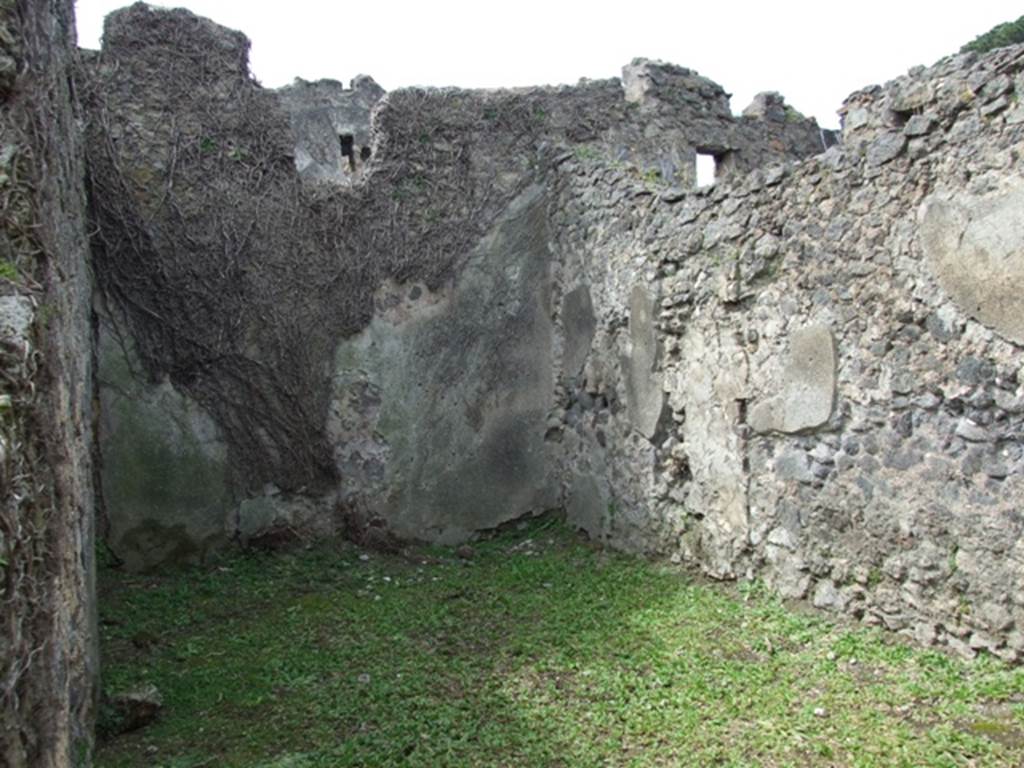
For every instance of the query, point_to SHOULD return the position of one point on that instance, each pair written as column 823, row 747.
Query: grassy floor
column 540, row 651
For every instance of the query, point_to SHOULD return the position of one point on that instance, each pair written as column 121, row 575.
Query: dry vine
column 24, row 599
column 234, row 279
column 44, row 698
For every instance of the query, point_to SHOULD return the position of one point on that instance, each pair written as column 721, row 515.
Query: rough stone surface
column 48, row 655
column 886, row 147
column 892, row 492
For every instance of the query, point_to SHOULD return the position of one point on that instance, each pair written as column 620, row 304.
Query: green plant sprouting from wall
column 1007, row 33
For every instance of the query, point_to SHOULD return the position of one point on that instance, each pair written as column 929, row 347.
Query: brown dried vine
column 45, row 628
column 235, row 280
column 24, row 515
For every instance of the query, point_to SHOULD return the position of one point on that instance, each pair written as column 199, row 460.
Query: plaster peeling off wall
column 710, row 391
column 972, row 245
column 165, row 468
column 807, row 387
column 458, row 391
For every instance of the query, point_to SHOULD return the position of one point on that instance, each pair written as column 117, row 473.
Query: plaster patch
column 808, row 385
column 975, row 249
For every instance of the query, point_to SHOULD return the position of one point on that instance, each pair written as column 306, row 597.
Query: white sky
column 814, row 53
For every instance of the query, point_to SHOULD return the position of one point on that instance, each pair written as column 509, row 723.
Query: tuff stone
column 968, row 430
column 885, row 148
column 919, row 125
column 972, row 370
column 995, row 106
column 16, row 315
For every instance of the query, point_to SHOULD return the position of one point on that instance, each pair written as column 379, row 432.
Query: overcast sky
column 814, row 53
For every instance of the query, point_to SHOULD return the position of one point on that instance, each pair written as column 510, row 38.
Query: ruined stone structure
column 426, row 313
column 836, row 356
column 433, row 311
column 371, row 338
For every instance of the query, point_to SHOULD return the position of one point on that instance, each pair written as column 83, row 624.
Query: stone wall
column 812, row 375
column 690, row 114
column 288, row 343
column 48, row 659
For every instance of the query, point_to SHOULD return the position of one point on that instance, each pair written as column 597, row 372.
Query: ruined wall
column 812, row 375
column 281, row 344
column 691, row 115
column 806, row 373
column 47, row 609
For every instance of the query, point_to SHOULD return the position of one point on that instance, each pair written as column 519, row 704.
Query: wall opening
column 900, row 117
column 713, row 164
column 348, row 147
column 707, row 168
column 364, row 154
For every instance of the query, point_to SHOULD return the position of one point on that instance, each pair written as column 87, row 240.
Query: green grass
column 541, row 651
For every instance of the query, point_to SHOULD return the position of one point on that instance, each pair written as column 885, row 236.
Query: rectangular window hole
column 714, row 164
column 348, row 149
column 706, row 169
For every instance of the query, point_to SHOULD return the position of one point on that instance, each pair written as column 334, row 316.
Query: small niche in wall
column 348, row 149
column 364, row 154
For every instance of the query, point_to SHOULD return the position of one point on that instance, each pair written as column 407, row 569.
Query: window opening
column 348, row 145
column 707, row 166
